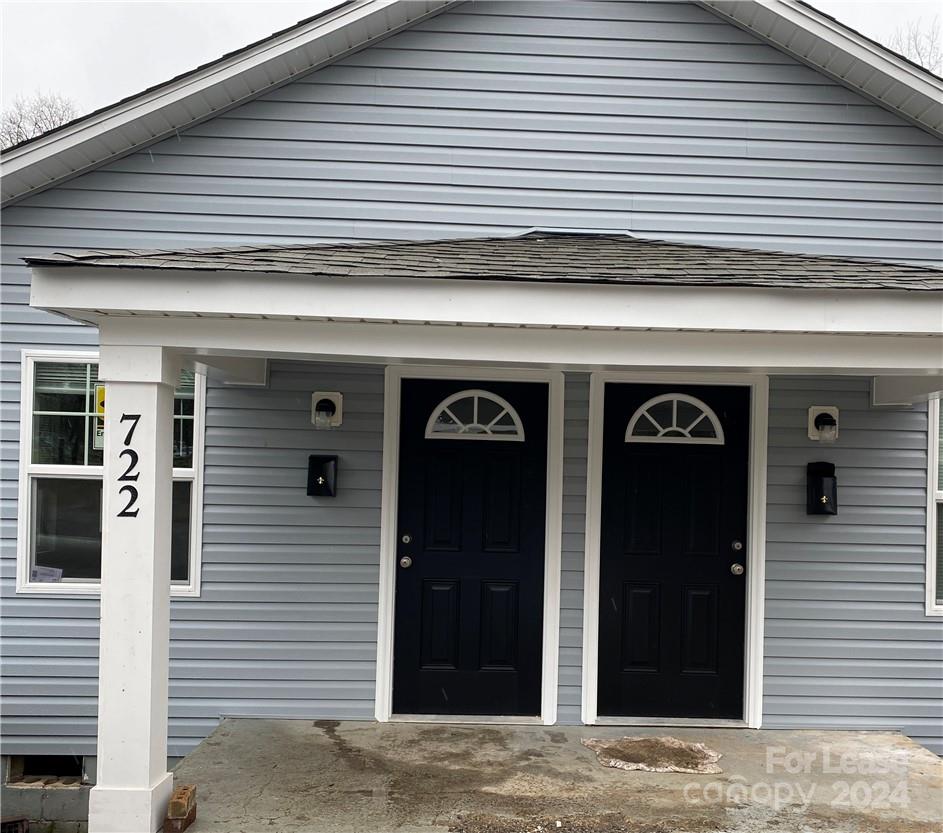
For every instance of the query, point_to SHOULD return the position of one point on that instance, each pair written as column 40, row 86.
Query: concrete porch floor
column 332, row 777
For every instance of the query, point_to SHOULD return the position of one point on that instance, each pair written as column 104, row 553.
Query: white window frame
column 29, row 470
column 934, row 503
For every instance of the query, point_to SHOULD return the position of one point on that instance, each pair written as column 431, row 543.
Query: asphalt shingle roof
column 538, row 256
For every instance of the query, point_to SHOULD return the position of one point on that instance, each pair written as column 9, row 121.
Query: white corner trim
column 756, row 521
column 934, row 504
column 550, row 671
column 28, row 470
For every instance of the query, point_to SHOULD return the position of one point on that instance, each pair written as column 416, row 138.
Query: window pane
column 180, row 536
column 66, row 534
column 187, row 384
column 939, row 484
column 939, row 553
column 73, row 403
column 60, row 386
column 59, row 440
column 183, row 443
column 96, row 456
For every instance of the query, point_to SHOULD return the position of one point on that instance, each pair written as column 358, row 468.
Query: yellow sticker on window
column 98, row 440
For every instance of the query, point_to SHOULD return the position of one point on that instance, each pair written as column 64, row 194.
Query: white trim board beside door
column 756, row 553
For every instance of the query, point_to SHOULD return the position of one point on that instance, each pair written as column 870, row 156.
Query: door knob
column 736, row 569
column 405, row 562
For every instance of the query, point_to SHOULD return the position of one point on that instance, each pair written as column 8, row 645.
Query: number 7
column 133, row 419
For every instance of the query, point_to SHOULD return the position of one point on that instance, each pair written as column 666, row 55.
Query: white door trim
column 756, row 520
column 389, row 510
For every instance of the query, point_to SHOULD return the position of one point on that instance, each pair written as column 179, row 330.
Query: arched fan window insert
column 675, row 418
column 474, row 415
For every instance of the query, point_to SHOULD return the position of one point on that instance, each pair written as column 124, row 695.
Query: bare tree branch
column 27, row 118
column 921, row 42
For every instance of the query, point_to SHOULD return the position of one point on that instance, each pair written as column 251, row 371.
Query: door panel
column 671, row 612
column 469, row 608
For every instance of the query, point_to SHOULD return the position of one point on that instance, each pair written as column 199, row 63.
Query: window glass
column 475, row 414
column 66, row 535
column 180, row 535
column 183, row 421
column 939, row 553
column 59, row 439
column 66, row 429
column 61, row 406
column 939, row 470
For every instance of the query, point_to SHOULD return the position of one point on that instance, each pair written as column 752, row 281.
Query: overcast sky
column 99, row 52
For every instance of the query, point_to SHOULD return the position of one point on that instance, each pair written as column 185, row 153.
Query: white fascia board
column 520, row 347
column 806, row 34
column 160, row 112
column 75, row 290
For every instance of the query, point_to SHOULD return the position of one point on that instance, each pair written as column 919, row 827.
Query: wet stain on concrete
column 342, row 777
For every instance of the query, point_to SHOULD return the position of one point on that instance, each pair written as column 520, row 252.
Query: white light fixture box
column 327, row 409
column 823, row 423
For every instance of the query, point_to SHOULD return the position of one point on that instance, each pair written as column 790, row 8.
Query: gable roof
column 538, row 256
column 88, row 142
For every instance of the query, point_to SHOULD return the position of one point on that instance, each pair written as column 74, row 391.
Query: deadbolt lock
column 736, row 546
column 407, row 539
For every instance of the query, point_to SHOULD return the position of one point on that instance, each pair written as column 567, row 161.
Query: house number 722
column 130, row 473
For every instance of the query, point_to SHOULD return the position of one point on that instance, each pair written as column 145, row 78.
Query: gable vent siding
column 848, row 642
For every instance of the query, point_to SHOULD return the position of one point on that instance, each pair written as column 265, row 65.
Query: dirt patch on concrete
column 662, row 754
column 580, row 823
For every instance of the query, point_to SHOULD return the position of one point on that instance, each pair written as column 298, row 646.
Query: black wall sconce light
column 322, row 475
column 821, row 489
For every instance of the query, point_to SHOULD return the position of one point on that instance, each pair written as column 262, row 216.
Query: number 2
column 132, row 463
column 128, row 512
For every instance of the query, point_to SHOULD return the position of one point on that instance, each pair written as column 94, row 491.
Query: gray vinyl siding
column 575, row 438
column 286, row 623
column 848, row 642
column 487, row 119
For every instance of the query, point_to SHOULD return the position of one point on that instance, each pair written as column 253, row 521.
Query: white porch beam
column 561, row 348
column 79, row 291
column 133, row 785
column 905, row 390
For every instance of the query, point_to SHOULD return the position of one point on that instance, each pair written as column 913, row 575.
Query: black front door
column 470, row 547
column 673, row 539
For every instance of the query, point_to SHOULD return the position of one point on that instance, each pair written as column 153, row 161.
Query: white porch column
column 134, row 786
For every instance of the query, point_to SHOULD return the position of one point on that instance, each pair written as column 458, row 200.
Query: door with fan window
column 673, row 551
column 470, row 547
